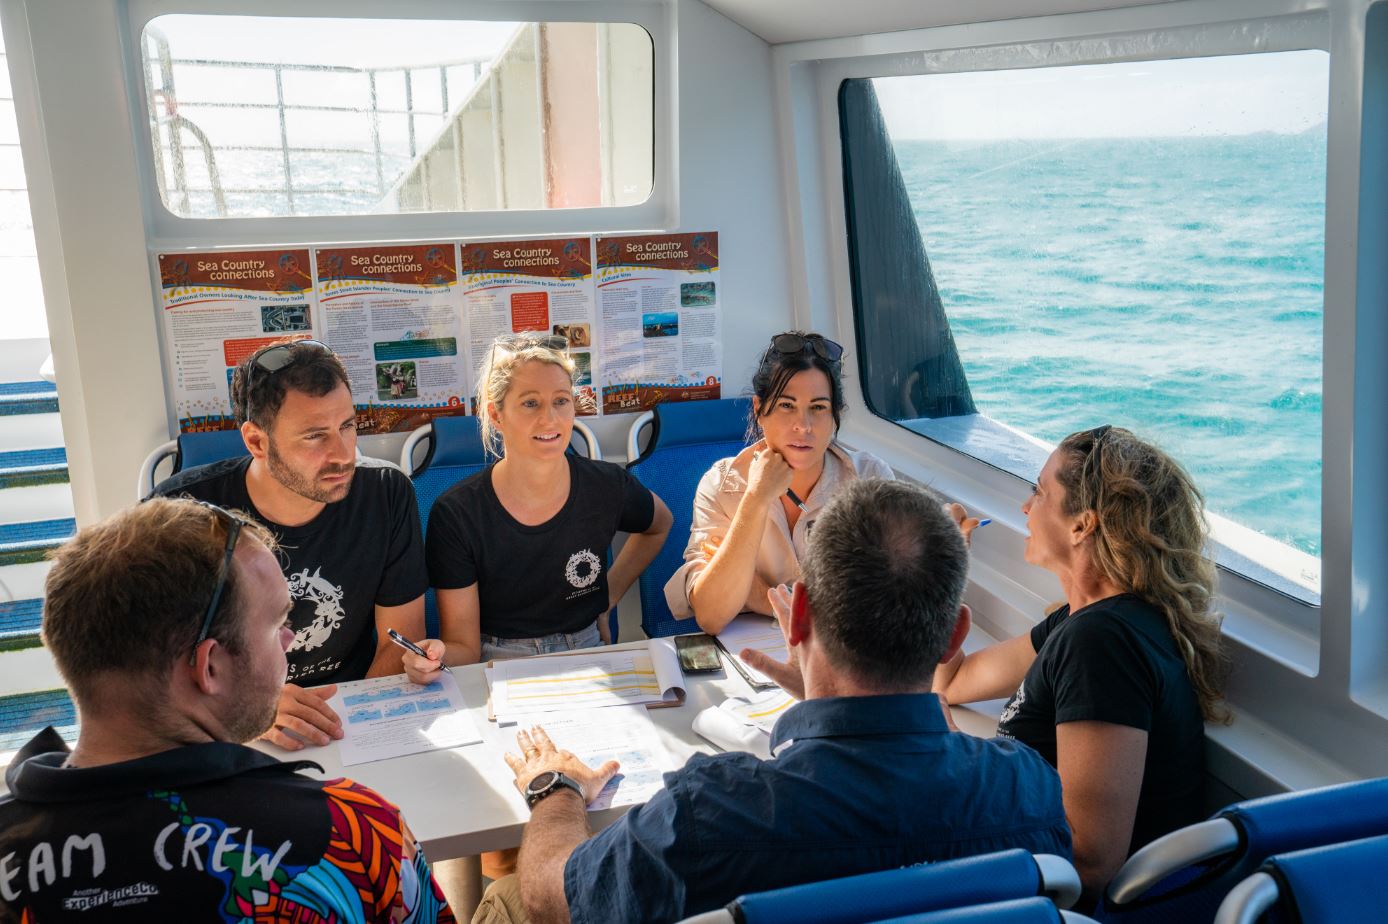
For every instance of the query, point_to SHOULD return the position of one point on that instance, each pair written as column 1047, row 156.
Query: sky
column 1283, row 92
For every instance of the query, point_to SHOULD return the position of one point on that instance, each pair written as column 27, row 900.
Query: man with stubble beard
column 347, row 528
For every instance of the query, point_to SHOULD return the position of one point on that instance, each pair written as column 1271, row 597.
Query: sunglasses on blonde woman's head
column 1094, row 461
column 524, row 339
column 794, row 344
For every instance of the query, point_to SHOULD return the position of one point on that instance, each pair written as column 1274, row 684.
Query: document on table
column 761, row 633
column 744, row 723
column 389, row 717
column 587, row 679
column 626, row 735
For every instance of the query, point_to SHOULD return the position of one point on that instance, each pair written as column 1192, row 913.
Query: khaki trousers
column 501, row 903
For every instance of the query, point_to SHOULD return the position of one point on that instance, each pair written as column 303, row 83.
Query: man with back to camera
column 867, row 775
column 348, row 529
column 169, row 623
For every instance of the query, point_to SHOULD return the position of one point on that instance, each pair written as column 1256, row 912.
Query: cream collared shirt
column 716, row 500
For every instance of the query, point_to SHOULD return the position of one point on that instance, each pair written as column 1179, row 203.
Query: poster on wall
column 220, row 307
column 391, row 313
column 658, row 313
column 544, row 286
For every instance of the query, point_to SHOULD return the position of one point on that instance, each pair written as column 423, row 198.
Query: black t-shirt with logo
column 1115, row 661
column 535, row 580
column 362, row 551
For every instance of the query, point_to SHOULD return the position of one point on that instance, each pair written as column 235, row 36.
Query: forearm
column 386, row 660
column 639, row 551
column 558, row 825
column 408, row 620
column 721, row 590
column 460, row 653
column 964, row 680
column 1097, row 864
column 989, row 673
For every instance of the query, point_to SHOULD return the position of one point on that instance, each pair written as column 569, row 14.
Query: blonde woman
column 1113, row 687
column 518, row 552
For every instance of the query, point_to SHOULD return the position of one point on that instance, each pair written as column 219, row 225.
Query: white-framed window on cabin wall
column 1130, row 243
column 256, row 117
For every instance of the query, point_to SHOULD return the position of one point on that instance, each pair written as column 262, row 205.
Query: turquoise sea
column 1169, row 285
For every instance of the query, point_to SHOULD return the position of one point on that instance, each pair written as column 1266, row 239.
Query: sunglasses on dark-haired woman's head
column 793, row 344
column 272, row 359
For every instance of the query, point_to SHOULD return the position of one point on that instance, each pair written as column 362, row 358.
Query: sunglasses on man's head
column 794, row 344
column 272, row 359
column 234, row 525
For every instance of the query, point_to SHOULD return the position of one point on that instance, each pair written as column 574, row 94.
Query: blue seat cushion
column 196, row 449
column 1339, row 882
column 687, row 439
column 872, row 896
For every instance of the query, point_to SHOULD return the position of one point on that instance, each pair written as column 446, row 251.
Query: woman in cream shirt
column 753, row 512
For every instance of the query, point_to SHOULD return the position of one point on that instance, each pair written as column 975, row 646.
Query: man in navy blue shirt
column 867, row 773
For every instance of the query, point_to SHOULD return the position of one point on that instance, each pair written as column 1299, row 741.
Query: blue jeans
column 501, row 649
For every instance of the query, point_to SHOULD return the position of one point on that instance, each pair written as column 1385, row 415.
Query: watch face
column 541, row 782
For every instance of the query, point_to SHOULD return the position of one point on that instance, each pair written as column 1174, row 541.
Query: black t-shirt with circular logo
column 535, row 580
column 1115, row 661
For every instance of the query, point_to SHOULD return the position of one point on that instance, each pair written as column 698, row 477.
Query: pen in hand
column 408, row 645
column 795, row 499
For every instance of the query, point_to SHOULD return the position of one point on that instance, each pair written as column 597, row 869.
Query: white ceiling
column 779, row 21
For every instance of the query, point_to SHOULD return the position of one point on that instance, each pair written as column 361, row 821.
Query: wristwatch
column 546, row 784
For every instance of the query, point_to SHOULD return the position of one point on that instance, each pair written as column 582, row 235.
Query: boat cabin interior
column 1020, row 218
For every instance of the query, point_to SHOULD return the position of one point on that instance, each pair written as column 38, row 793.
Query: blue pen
column 984, row 522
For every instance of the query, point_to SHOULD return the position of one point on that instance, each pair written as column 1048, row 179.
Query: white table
column 463, row 801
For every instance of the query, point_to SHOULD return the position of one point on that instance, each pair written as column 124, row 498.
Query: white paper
column 659, row 316
column 592, row 678
column 386, row 717
column 534, row 285
column 744, row 723
column 219, row 308
column 626, row 735
column 760, row 633
column 391, row 312
column 760, row 710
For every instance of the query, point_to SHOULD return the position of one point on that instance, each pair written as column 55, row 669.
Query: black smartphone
column 698, row 653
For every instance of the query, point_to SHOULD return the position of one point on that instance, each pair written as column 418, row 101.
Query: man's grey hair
column 885, row 574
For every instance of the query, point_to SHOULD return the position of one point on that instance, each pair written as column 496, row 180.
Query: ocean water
column 1169, row 285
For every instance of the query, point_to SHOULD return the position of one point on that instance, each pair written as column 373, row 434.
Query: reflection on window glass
column 1139, row 244
column 262, row 116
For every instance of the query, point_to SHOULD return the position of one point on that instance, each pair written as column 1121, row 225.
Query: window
column 23, row 312
column 267, row 116
column 1040, row 251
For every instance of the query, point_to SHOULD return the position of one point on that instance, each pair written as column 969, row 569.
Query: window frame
column 1292, row 661
column 660, row 210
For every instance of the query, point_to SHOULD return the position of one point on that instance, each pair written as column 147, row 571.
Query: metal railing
column 168, row 126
